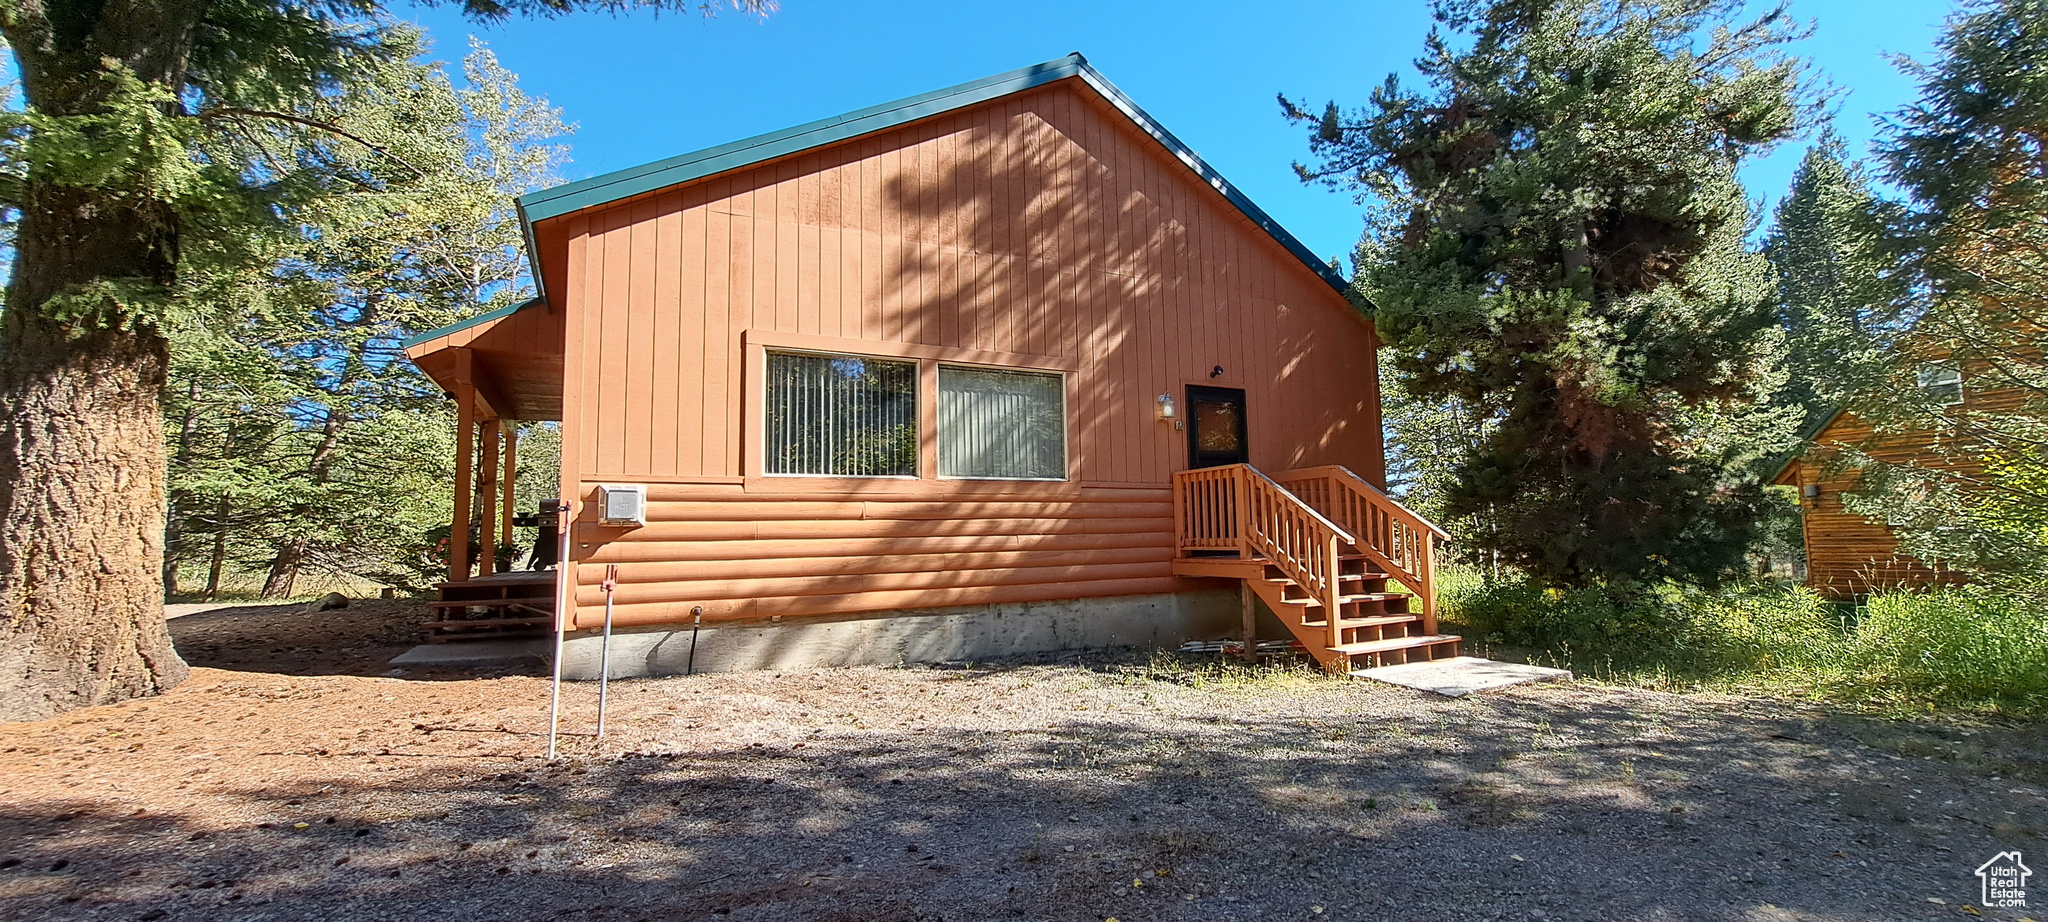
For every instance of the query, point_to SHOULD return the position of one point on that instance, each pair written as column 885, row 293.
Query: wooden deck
column 517, row 603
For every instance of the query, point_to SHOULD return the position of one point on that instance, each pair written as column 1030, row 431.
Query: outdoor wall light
column 1810, row 491
column 1166, row 406
column 1216, row 372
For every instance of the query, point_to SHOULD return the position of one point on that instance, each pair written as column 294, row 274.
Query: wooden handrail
column 1237, row 508
column 1393, row 536
column 1356, row 482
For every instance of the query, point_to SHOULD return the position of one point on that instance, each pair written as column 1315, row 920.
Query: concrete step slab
column 1459, row 676
column 476, row 653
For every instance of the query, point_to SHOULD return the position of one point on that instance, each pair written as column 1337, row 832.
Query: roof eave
column 483, row 318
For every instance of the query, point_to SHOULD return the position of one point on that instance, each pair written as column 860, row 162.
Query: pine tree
column 438, row 238
column 1559, row 248
column 128, row 162
column 1972, row 239
column 1842, row 308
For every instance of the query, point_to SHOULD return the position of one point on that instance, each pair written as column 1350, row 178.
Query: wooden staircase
column 1321, row 547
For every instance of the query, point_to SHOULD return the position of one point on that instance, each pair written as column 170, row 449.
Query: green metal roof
column 485, row 317
column 612, row 187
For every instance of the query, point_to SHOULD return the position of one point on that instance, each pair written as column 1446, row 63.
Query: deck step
column 1395, row 643
column 1373, row 621
column 1358, row 597
column 463, row 624
column 1347, row 578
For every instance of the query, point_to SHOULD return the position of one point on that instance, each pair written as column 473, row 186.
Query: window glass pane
column 1217, row 426
column 1001, row 424
column 1943, row 384
column 841, row 415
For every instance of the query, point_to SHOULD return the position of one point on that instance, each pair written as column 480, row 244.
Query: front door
column 1216, row 427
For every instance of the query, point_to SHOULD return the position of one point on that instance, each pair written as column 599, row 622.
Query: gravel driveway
column 1104, row 788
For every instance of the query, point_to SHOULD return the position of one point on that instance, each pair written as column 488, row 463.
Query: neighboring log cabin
column 1849, row 555
column 1007, row 354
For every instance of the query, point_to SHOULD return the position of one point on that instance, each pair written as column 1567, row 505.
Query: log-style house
column 1849, row 555
column 998, row 368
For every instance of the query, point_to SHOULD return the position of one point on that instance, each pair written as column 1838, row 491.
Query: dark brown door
column 1216, row 427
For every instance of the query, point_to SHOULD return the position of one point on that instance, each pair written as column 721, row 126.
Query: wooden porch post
column 511, row 473
column 465, row 476
column 1250, row 607
column 487, row 493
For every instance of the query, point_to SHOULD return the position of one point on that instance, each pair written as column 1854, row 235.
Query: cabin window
column 1943, row 384
column 994, row 424
column 841, row 415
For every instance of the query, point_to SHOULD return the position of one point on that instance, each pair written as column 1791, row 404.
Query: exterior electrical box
column 621, row 504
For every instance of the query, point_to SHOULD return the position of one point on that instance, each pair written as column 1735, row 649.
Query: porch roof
column 511, row 357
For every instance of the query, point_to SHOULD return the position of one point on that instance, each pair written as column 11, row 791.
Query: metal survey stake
column 604, row 653
column 561, row 631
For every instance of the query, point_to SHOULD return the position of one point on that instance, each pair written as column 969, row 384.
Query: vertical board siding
column 1042, row 223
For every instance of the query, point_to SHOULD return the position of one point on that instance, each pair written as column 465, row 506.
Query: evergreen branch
column 239, row 112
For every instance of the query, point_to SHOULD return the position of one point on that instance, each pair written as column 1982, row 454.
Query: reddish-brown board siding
column 518, row 357
column 1848, row 554
column 1041, row 224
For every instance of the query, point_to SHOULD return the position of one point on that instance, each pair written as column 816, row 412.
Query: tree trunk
column 81, row 515
column 285, row 565
column 173, row 530
column 284, row 570
column 220, row 549
column 81, row 383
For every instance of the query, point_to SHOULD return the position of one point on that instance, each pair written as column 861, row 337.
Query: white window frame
column 1932, row 375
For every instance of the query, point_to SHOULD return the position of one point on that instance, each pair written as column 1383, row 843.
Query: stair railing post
column 1180, row 527
column 1333, row 582
column 1241, row 486
column 1427, row 572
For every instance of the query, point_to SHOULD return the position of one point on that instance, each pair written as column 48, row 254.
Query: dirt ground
column 292, row 778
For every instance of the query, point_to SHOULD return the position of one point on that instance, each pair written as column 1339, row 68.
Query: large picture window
column 841, row 415
column 1001, row 424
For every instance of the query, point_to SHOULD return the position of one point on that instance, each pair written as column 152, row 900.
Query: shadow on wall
column 1068, row 222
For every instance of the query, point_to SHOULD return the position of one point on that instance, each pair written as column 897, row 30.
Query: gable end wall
column 1041, row 226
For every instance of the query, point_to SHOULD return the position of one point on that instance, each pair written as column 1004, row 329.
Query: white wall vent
column 621, row 504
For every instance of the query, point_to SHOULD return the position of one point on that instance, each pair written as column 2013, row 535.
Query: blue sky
column 642, row 87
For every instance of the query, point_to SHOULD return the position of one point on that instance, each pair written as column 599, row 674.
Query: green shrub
column 1970, row 647
column 1973, row 648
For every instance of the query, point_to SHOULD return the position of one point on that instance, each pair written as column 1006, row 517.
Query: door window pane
column 841, row 415
column 1218, row 426
column 1001, row 424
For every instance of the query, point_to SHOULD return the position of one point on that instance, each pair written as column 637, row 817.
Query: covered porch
column 501, row 368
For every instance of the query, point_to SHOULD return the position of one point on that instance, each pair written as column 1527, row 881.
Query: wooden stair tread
column 1395, row 643
column 1348, row 578
column 1359, row 597
column 483, row 622
column 493, row 603
column 1372, row 621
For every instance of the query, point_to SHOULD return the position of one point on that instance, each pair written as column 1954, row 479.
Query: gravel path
column 1077, row 790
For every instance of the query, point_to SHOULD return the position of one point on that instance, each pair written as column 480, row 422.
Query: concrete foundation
column 967, row 632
